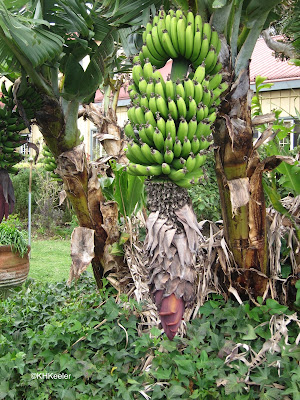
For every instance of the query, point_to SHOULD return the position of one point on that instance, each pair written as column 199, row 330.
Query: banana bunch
column 176, row 35
column 170, row 123
column 31, row 101
column 50, row 163
column 10, row 127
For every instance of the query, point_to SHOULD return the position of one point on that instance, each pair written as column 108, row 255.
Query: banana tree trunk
column 80, row 180
column 239, row 174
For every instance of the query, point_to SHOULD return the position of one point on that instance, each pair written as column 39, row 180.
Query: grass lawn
column 50, row 260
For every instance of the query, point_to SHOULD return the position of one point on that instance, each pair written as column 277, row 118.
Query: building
column 285, row 91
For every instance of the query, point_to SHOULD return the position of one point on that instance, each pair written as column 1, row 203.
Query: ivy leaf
column 250, row 333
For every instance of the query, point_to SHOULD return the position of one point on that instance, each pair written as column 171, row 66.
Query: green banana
column 161, row 125
column 177, row 148
column 173, row 33
column 139, row 115
column 144, row 103
column 186, row 148
column 135, row 151
column 171, row 127
column 152, row 49
column 217, row 69
column 195, row 143
column 181, row 27
column 215, row 81
column 210, row 60
column 200, row 160
column 149, row 117
column 165, row 168
column 149, row 130
column 157, row 43
column 150, row 88
column 128, row 129
column 144, row 138
column 178, row 163
column 142, row 85
column 168, row 156
column 159, row 89
column 168, row 143
column 189, row 88
column 203, row 51
column 185, row 183
column 167, row 45
column 192, row 127
column 182, row 130
column 179, row 89
column 198, row 92
column 158, row 139
column 146, row 150
column 161, row 26
column 207, row 31
column 177, row 175
column 189, row 40
column 196, row 46
column 190, row 162
column 147, row 70
column 154, row 61
column 168, row 23
column 152, row 103
column 181, row 106
column 157, row 156
column 137, row 73
column 192, row 109
column 198, row 24
column 162, row 106
column 199, row 73
column 170, row 91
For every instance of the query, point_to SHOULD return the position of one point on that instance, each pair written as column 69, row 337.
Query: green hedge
column 78, row 332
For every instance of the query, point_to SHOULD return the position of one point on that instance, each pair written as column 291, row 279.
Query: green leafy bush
column 205, row 196
column 48, row 218
column 11, row 235
column 80, row 332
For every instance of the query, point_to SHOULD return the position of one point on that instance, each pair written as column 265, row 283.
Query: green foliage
column 205, row 196
column 284, row 179
column 125, row 189
column 21, row 186
column 83, row 333
column 47, row 216
column 11, row 235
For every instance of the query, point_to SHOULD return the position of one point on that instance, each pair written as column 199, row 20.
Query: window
column 96, row 149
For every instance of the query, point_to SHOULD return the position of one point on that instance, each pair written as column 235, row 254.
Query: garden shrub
column 205, row 196
column 84, row 333
column 48, row 218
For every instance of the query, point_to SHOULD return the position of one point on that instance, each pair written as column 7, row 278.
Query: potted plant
column 14, row 259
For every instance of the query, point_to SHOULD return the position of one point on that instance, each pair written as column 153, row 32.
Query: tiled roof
column 263, row 63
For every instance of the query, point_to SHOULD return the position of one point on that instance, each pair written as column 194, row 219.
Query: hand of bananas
column 50, row 163
column 10, row 136
column 170, row 122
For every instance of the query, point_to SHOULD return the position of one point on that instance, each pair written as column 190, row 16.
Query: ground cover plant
column 230, row 350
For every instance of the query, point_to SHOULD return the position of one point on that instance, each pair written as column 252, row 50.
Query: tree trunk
column 239, row 174
column 80, row 180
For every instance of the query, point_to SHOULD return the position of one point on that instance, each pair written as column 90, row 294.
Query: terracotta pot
column 13, row 268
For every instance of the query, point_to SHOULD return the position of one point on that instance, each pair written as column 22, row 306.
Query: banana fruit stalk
column 11, row 127
column 50, row 163
column 169, row 131
column 170, row 121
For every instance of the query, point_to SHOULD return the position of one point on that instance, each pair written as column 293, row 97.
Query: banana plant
column 43, row 43
column 210, row 44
